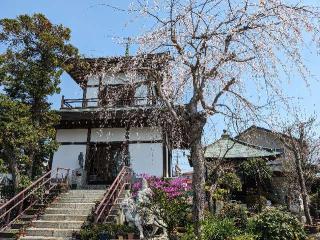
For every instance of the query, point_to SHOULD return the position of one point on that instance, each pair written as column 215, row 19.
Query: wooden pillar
column 126, row 146
column 86, row 164
column 164, row 153
column 84, row 96
column 62, row 102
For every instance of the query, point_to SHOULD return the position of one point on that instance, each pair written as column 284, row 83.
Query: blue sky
column 96, row 29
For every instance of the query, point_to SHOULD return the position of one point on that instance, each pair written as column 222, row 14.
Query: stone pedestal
column 79, row 177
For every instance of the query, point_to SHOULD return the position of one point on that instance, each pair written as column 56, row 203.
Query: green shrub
column 189, row 234
column 275, row 224
column 214, row 229
column 246, row 236
column 230, row 181
column 93, row 231
column 236, row 212
column 219, row 229
column 256, row 203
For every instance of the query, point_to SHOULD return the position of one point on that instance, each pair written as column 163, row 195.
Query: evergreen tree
column 17, row 137
column 37, row 53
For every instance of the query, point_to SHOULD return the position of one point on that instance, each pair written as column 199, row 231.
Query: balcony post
column 62, row 101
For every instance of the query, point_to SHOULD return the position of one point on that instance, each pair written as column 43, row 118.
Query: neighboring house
column 258, row 142
column 285, row 183
column 112, row 124
column 233, row 149
column 233, row 152
column 266, row 138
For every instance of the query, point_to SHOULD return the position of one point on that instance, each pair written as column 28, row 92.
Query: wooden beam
column 164, row 156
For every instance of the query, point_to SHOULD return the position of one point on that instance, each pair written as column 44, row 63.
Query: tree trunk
column 15, row 175
column 34, row 155
column 303, row 189
column 198, row 179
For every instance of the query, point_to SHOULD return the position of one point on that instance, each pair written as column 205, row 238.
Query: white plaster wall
column 92, row 92
column 108, row 134
column 147, row 158
column 121, row 78
column 71, row 135
column 93, row 80
column 145, row 134
column 141, row 92
column 67, row 156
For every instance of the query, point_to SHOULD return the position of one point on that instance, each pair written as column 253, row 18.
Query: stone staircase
column 64, row 216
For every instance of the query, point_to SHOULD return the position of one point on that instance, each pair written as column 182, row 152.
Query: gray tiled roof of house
column 228, row 148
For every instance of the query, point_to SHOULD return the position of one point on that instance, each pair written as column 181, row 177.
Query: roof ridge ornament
column 127, row 53
column 225, row 134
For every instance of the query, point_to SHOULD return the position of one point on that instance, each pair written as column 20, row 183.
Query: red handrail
column 24, row 190
column 122, row 180
column 24, row 200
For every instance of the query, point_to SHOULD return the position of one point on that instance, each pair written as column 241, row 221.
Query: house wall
column 261, row 138
column 270, row 140
column 92, row 92
column 146, row 148
column 72, row 135
column 147, row 158
column 67, row 155
column 281, row 185
column 108, row 135
column 93, row 80
column 145, row 134
column 121, row 78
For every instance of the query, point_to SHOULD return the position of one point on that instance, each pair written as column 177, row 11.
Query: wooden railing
column 122, row 181
column 76, row 103
column 35, row 193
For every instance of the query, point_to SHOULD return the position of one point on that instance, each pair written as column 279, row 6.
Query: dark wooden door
column 104, row 161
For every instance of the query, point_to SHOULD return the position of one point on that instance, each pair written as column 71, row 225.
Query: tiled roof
column 231, row 148
column 82, row 68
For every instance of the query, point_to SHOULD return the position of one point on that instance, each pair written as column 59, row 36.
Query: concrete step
column 78, row 200
column 82, row 195
column 57, row 224
column 63, row 217
column 83, row 192
column 78, row 205
column 87, row 190
column 50, row 232
column 68, row 211
column 25, row 217
column 86, row 199
column 94, row 187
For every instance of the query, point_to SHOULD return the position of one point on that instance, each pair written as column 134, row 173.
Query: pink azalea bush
column 173, row 187
column 170, row 200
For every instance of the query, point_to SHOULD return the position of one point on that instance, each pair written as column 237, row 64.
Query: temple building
column 114, row 123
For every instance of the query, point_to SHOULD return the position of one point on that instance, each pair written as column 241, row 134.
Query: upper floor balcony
column 82, row 103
